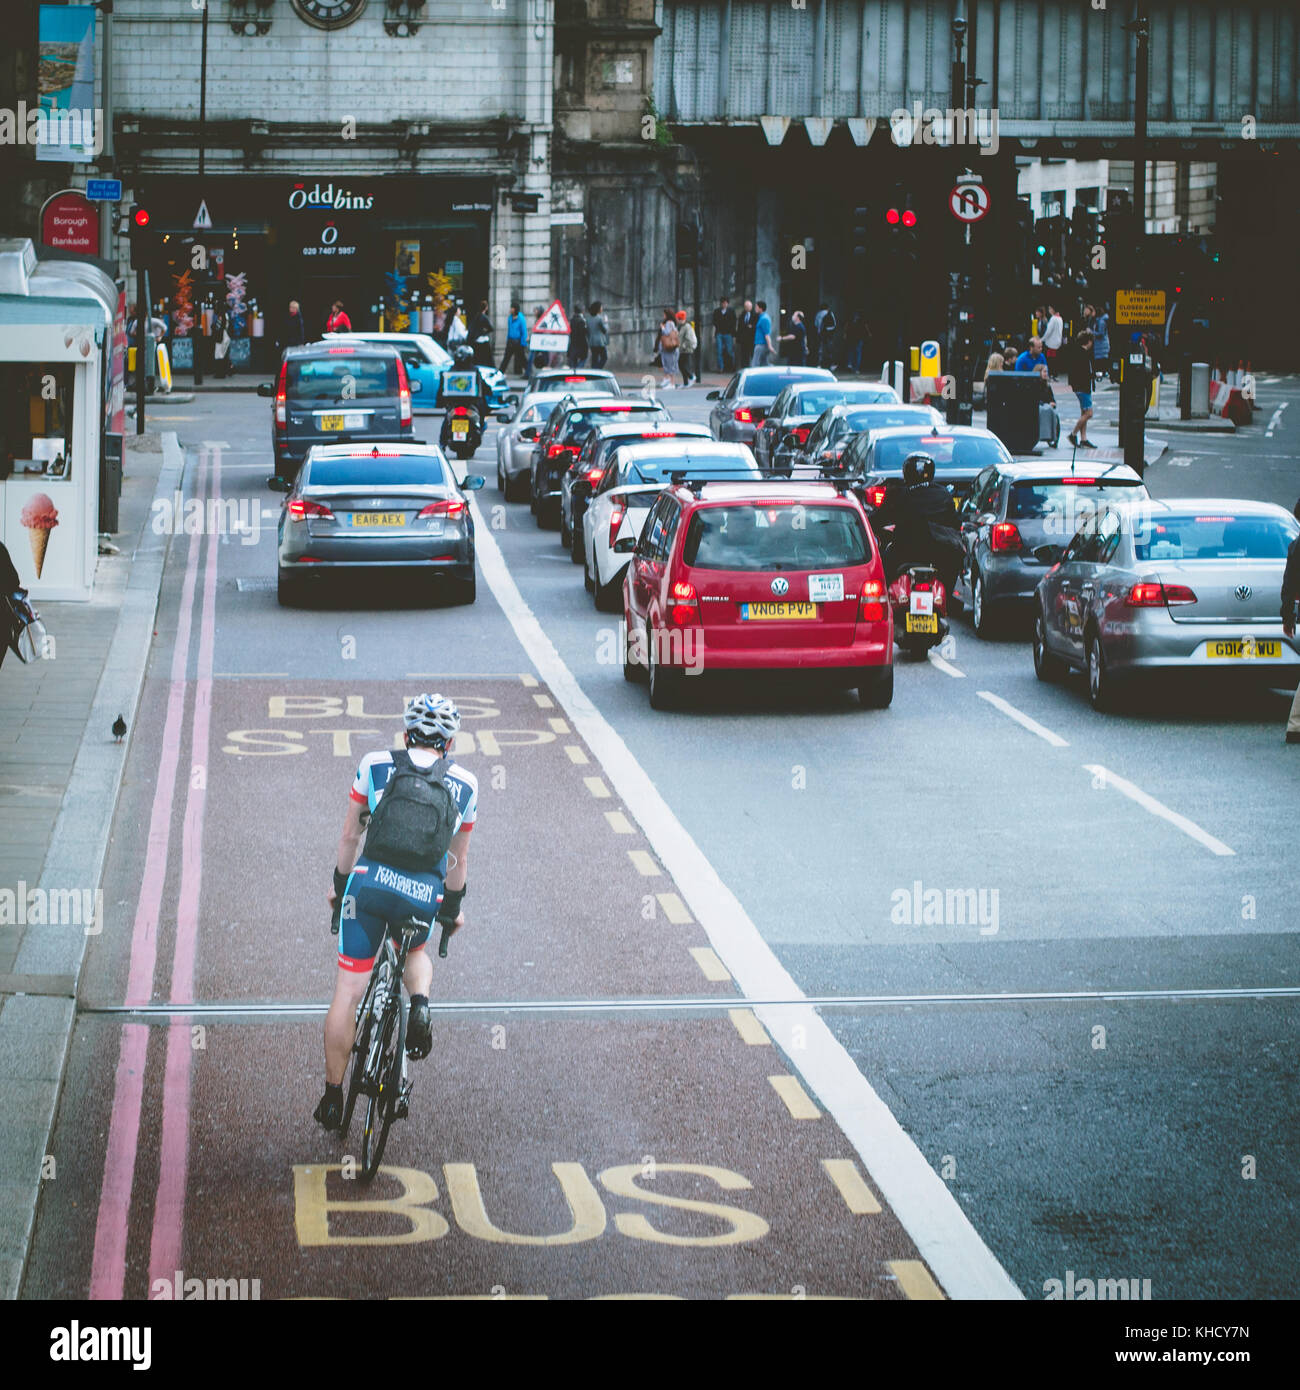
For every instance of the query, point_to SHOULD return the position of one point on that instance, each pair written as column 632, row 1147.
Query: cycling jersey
column 379, row 893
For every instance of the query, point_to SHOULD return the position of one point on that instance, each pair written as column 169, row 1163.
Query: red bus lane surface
column 590, row 1122
column 599, row 1152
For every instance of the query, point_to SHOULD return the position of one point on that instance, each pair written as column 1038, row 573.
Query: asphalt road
column 1145, row 1136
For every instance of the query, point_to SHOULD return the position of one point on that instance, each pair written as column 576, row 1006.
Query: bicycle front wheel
column 383, row 1100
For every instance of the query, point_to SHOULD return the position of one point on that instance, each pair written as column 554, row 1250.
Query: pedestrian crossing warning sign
column 203, row 218
column 551, row 331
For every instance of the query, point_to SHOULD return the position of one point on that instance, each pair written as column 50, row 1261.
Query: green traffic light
column 1042, row 250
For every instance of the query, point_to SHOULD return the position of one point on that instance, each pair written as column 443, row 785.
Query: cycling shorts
column 377, row 895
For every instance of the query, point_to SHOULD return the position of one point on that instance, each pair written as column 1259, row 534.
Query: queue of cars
column 747, row 544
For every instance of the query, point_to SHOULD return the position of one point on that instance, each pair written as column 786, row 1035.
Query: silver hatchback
column 1189, row 584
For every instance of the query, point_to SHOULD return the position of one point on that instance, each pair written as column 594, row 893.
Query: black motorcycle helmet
column 463, row 355
column 918, row 468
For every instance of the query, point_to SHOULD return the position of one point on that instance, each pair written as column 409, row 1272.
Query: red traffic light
column 909, row 218
column 1178, row 289
column 892, row 217
column 140, row 217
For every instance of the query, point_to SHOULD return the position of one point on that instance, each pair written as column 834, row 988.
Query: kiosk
column 56, row 323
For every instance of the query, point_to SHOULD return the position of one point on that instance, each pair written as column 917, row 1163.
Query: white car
column 627, row 491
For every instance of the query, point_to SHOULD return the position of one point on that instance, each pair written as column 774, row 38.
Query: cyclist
column 367, row 894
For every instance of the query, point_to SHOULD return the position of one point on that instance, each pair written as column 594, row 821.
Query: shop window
column 36, row 419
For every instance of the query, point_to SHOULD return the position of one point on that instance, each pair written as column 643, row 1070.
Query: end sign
column 104, row 190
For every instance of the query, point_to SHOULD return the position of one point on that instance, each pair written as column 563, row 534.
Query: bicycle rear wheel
column 383, row 1100
column 360, row 1050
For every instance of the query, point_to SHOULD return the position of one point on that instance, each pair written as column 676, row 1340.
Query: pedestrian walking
column 745, row 326
column 724, row 335
column 764, row 348
column 1053, row 337
column 293, row 331
column 797, row 353
column 516, row 337
column 598, row 335
column 338, row 321
column 457, row 332
column 670, row 341
column 480, row 334
column 824, row 326
column 1078, row 365
column 1290, row 597
column 855, row 340
column 689, row 343
column 578, row 340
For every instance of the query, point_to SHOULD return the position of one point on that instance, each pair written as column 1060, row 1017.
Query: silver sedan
column 1188, row 584
column 516, row 438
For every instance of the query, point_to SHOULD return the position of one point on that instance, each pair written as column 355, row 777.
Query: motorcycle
column 919, row 599
column 462, row 429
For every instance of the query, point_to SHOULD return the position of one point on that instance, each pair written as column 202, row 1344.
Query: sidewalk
column 59, row 776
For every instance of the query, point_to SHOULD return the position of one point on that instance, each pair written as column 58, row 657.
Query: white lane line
column 1181, row 461
column 946, row 667
column 1157, row 808
column 942, row 1232
column 1023, row 720
column 1276, row 420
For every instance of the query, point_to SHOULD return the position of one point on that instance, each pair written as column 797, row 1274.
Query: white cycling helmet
column 431, row 719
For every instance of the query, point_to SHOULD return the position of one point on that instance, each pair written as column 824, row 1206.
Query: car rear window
column 881, row 417
column 768, row 384
column 878, row 394
column 955, row 451
column 1035, row 498
column 338, row 377
column 726, row 465
column 814, row 402
column 1213, row 537
column 784, row 536
column 367, row 471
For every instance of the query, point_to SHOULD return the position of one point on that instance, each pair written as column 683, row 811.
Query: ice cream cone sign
column 40, row 516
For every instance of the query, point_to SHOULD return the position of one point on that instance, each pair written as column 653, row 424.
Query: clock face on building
column 329, row 14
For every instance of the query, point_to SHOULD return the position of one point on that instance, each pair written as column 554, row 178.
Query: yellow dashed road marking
column 644, row 862
column 707, row 959
column 915, row 1280
column 596, row 787
column 674, row 909
column 528, row 680
column 544, row 702
column 858, row 1197
column 749, row 1028
column 618, row 823
column 797, row 1101
column 558, row 726
column 576, row 755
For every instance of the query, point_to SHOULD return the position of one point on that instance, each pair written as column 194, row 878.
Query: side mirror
column 530, row 433
column 625, row 545
column 473, row 482
column 413, row 364
column 1048, row 554
column 713, row 396
column 266, row 389
column 512, row 399
column 278, row 484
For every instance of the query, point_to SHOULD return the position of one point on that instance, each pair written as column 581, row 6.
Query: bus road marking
column 751, row 1031
column 797, row 1101
column 851, row 1185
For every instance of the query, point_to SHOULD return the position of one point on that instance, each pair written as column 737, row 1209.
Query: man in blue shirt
column 764, row 348
column 516, row 337
column 1032, row 359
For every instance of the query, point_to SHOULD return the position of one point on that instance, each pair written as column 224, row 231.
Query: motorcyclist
column 927, row 529
column 461, row 384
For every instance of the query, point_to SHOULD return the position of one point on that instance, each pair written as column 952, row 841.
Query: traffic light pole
column 961, row 410
column 143, row 335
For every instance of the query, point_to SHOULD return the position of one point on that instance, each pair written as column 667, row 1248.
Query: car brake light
column 594, row 475
column 876, row 496
column 281, row 398
column 658, row 434
column 615, row 524
column 300, row 508
column 348, row 350
column 553, row 451
column 1158, row 595
column 685, row 609
column 1004, row 536
column 1079, row 482
column 452, row 509
column 608, row 409
column 746, row 417
column 801, row 433
column 872, row 606
column 403, row 393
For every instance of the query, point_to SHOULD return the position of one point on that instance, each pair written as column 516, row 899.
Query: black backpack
column 415, row 818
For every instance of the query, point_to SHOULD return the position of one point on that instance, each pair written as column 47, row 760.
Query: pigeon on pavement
column 119, row 728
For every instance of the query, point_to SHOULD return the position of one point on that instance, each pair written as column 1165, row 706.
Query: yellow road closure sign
column 1139, row 306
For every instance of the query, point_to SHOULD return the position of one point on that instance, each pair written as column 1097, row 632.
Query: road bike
column 377, row 1065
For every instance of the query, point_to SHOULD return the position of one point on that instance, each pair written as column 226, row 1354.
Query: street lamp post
column 1135, row 381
